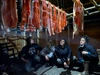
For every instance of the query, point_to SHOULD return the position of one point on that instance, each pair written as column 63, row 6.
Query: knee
column 59, row 61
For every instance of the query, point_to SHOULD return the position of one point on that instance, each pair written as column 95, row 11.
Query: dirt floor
column 51, row 70
column 13, row 67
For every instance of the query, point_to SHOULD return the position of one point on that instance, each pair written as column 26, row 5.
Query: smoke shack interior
column 46, row 19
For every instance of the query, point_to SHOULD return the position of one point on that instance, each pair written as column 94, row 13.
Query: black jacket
column 92, row 53
column 29, row 51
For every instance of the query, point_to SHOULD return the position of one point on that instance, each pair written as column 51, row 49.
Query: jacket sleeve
column 80, row 56
column 92, row 51
column 52, row 52
column 43, row 51
column 69, row 54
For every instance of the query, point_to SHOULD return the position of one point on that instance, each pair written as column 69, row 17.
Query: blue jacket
column 91, row 56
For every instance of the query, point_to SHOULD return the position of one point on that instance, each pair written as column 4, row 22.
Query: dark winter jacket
column 63, row 53
column 92, row 53
column 29, row 51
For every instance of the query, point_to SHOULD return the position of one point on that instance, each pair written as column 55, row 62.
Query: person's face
column 82, row 41
column 31, row 41
column 62, row 42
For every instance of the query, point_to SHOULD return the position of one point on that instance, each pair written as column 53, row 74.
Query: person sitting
column 63, row 54
column 87, row 55
column 48, row 53
column 30, row 55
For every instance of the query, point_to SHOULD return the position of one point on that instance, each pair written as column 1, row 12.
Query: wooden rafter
column 95, row 4
column 68, row 8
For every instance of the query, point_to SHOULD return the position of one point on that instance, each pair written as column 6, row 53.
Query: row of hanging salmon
column 34, row 14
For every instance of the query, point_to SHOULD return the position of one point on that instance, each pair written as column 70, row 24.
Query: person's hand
column 46, row 57
column 65, row 64
column 25, row 60
column 68, row 61
column 84, row 52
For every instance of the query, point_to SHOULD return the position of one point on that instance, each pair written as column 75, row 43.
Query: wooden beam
column 71, row 14
column 95, row 4
column 90, row 8
column 72, row 7
column 83, row 5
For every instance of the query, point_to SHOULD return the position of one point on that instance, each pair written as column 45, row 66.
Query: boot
column 86, row 68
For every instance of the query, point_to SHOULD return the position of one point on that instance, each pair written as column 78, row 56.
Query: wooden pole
column 56, row 39
column 68, row 34
column 37, row 36
column 46, row 32
column 24, row 35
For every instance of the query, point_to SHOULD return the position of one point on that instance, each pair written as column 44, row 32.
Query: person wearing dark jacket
column 63, row 54
column 30, row 54
column 48, row 53
column 87, row 55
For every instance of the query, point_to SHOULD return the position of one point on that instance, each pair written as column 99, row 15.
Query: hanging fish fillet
column 44, row 13
column 25, row 13
column 30, row 26
column 9, row 14
column 55, row 19
column 78, row 17
column 22, row 25
column 64, row 19
column 59, row 22
column 50, row 23
column 25, row 10
column 36, row 14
